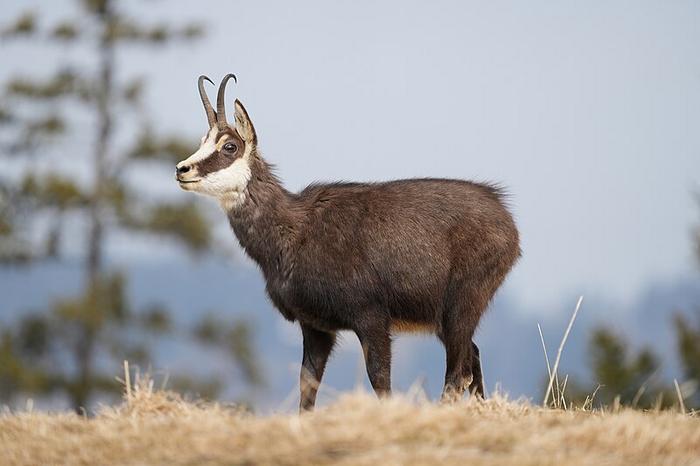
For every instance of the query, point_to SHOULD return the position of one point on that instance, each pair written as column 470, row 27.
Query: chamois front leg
column 317, row 347
column 376, row 345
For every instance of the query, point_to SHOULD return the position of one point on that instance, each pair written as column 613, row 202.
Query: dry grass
column 156, row 427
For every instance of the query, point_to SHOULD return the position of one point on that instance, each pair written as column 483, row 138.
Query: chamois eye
column 230, row 147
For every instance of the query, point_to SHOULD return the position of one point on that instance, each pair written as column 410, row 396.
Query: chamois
column 374, row 258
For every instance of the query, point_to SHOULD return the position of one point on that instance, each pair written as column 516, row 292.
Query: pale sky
column 589, row 112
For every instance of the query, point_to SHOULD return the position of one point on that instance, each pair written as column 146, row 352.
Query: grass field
column 157, row 427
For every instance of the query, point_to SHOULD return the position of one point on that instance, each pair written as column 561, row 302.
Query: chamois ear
column 243, row 124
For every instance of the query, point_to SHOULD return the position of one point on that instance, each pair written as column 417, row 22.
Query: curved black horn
column 211, row 116
column 220, row 101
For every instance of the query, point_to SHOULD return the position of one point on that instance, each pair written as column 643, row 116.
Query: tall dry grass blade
column 681, row 404
column 586, row 403
column 595, row 392
column 127, row 380
column 658, row 404
column 549, row 368
column 642, row 389
column 416, row 392
column 556, row 390
column 544, row 349
column 638, row 396
column 616, row 404
column 559, row 351
column 561, row 394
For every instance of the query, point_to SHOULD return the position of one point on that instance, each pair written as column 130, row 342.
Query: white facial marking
column 228, row 185
column 206, row 148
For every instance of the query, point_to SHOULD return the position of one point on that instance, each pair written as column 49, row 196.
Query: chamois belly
column 331, row 302
column 407, row 326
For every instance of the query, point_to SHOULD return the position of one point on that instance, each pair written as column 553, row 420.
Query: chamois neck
column 266, row 221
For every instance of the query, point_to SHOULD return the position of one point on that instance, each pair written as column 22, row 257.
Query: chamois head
column 221, row 166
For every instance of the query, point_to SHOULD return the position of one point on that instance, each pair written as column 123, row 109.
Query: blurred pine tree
column 688, row 341
column 62, row 349
column 633, row 378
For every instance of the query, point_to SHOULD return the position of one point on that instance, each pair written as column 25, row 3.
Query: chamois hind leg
column 477, row 385
column 458, row 372
column 459, row 322
column 317, row 347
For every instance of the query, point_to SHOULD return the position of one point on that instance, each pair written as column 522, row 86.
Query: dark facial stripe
column 220, row 159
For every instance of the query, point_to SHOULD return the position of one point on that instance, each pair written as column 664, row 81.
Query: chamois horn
column 220, row 101
column 211, row 116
